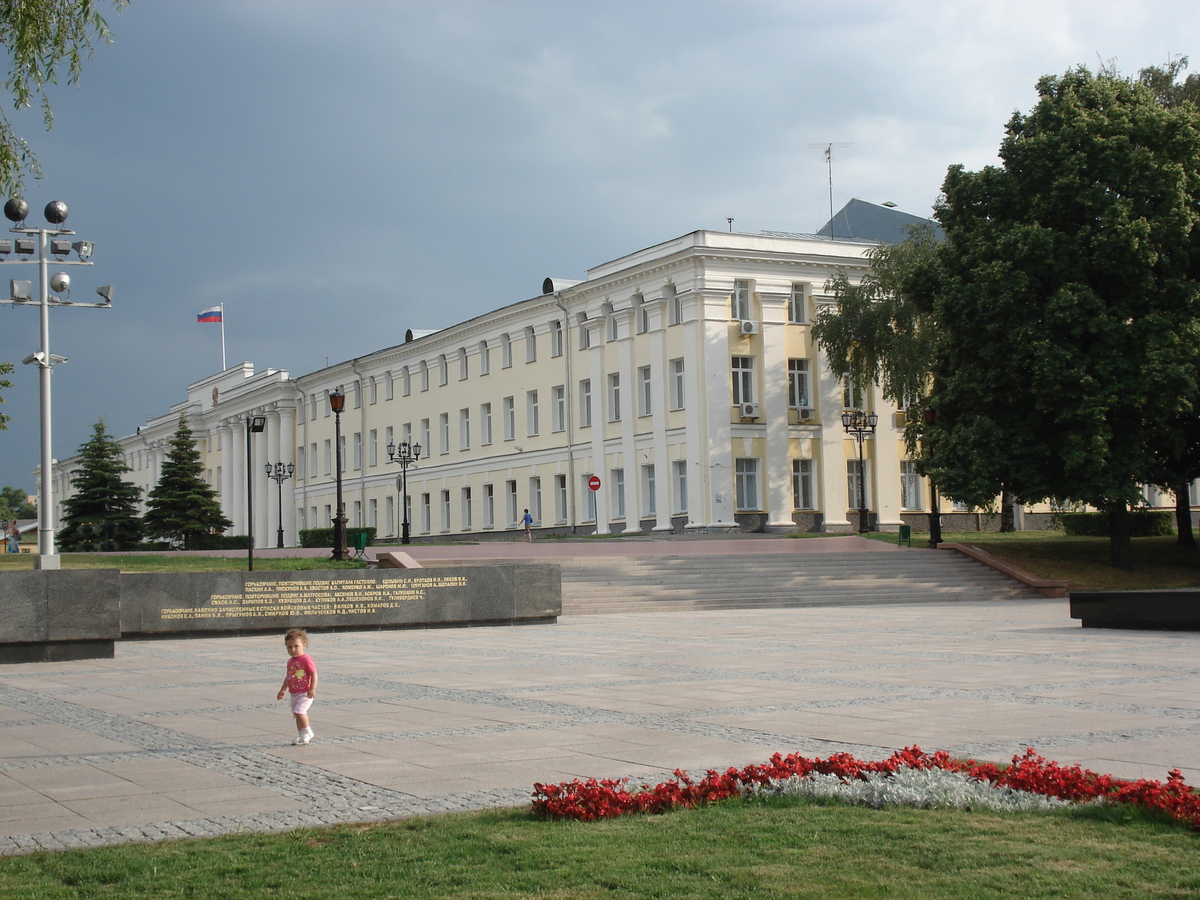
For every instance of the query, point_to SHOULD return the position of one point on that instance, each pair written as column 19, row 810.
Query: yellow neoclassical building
column 681, row 380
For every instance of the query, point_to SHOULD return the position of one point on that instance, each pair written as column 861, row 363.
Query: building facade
column 682, row 379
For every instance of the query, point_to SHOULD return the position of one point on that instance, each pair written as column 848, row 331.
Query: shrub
column 1142, row 523
column 323, row 537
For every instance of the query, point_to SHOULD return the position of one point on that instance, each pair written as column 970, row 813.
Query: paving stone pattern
column 184, row 738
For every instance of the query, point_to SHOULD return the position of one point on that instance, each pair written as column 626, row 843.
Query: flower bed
column 887, row 781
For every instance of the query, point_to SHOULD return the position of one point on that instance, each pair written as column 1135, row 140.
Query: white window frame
column 532, row 419
column 558, row 408
column 617, row 477
column 739, row 300
column 645, row 391
column 614, row 397
column 799, row 383
column 797, row 309
column 585, row 403
column 464, row 429
column 742, row 371
column 803, row 480
column 912, row 494
column 679, row 476
column 510, row 418
column 485, row 424
column 678, row 386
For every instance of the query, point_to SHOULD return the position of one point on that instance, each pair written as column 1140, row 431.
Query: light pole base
column 48, row 563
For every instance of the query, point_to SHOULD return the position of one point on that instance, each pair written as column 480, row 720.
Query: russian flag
column 212, row 314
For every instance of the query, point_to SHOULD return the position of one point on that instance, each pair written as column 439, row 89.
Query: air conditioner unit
column 805, row 413
column 750, row 410
column 747, row 327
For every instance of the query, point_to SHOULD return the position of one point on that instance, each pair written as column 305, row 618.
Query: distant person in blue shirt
column 527, row 521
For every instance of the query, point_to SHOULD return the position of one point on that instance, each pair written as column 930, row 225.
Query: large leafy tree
column 43, row 39
column 14, row 504
column 182, row 507
column 1068, row 303
column 102, row 512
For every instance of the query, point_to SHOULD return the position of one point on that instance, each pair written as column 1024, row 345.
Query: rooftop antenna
column 729, row 219
column 829, row 148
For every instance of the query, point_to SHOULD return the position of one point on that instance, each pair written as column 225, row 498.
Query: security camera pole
column 48, row 244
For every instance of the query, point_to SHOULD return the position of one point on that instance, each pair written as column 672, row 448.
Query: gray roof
column 861, row 220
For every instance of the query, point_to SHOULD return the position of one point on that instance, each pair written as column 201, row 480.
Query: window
column 300, row 518
column 535, row 499
column 558, row 408
column 485, row 423
column 373, row 447
column 556, row 338
column 531, row 413
column 445, row 510
column 387, row 438
column 389, row 384
column 614, row 397
column 312, row 410
column 357, row 520
column 676, row 308
column 327, row 407
column 425, row 442
column 642, row 311
column 677, row 393
column 406, row 435
column 510, row 418
column 358, row 460
column 443, row 370
column 585, row 403
column 424, row 369
column 610, row 322
column 645, row 391
column 649, row 504
column 797, row 309
column 389, row 512
column 679, row 471
column 852, row 395
column 560, row 499
column 510, row 491
column 589, row 498
column 328, row 514
column 740, row 300
column 465, row 502
column 405, row 381
column 489, row 506
column 910, row 486
column 798, row 384
column 444, row 431
column 373, row 514
column 505, row 351
column 530, row 345
column 855, row 486
column 464, row 429
column 356, row 389
column 743, row 379
column 485, row 358
column 374, row 391
column 746, row 482
column 328, row 457
column 584, row 341
column 802, row 484
column 312, row 462
column 300, row 470
column 342, row 452
column 618, row 493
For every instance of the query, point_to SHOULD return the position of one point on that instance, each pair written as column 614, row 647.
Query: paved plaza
column 184, row 737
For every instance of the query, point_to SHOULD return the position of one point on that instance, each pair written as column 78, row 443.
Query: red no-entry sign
column 594, row 482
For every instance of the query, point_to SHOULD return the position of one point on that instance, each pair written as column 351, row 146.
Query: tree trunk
column 1006, row 512
column 1120, row 545
column 1183, row 515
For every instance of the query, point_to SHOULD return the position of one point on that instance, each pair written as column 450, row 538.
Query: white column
column 287, row 454
column 656, row 310
column 834, row 501
column 599, row 381
column 777, row 466
column 721, row 501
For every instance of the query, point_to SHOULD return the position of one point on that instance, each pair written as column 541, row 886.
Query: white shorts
column 301, row 703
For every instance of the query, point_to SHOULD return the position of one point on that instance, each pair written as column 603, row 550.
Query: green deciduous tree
column 182, row 507
column 14, row 504
column 42, row 39
column 102, row 512
column 1067, row 306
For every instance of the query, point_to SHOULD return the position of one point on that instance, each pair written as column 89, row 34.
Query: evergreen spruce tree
column 183, row 508
column 102, row 513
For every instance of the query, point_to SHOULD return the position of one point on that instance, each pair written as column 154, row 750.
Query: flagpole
column 222, row 337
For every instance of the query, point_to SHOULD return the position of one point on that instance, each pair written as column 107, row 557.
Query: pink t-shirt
column 300, row 670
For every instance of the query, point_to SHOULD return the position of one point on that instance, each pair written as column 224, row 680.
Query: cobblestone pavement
column 184, row 738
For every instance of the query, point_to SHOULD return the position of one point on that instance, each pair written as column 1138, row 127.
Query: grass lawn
column 727, row 850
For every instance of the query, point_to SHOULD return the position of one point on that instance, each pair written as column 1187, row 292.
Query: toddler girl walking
column 300, row 681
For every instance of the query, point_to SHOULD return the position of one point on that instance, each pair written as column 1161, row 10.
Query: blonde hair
column 296, row 633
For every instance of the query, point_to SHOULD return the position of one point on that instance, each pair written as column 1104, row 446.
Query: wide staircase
column 615, row 584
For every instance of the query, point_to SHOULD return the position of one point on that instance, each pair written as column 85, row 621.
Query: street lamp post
column 935, row 514
column 861, row 425
column 280, row 473
column 43, row 241
column 337, row 402
column 406, row 454
column 254, row 425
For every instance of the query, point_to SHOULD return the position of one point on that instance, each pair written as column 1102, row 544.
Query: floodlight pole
column 254, row 425
column 16, row 210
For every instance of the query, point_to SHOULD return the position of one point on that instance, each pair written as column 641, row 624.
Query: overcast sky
column 336, row 171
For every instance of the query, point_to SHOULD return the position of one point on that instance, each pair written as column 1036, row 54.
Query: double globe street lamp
column 46, row 243
column 861, row 425
column 279, row 473
column 406, row 454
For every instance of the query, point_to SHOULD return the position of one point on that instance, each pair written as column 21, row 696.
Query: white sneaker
column 299, row 740
column 306, row 736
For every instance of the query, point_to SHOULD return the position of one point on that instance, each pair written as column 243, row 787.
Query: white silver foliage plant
column 920, row 788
